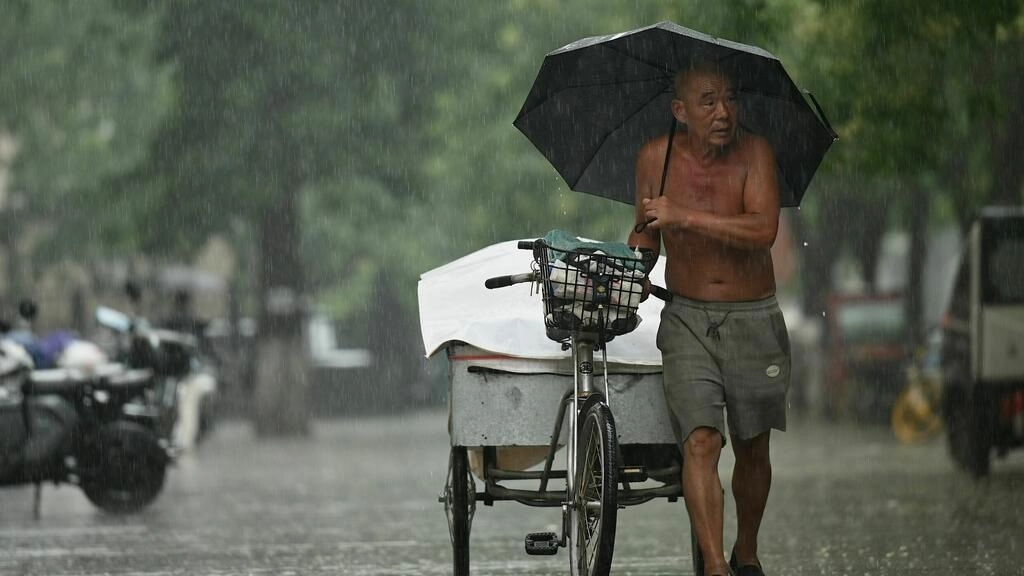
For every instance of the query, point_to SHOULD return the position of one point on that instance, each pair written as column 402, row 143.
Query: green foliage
column 78, row 93
column 160, row 123
column 915, row 92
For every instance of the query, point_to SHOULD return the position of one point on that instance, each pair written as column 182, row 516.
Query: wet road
column 360, row 498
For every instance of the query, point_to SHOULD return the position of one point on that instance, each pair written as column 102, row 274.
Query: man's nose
column 723, row 110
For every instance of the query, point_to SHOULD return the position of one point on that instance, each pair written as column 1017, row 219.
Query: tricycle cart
column 512, row 413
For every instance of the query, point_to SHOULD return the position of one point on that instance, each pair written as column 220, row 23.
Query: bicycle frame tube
column 583, row 382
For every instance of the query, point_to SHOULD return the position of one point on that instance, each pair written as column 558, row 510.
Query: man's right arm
column 647, row 241
column 645, row 162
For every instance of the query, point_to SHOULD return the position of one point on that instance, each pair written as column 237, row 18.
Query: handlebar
column 510, row 279
column 503, row 281
column 661, row 293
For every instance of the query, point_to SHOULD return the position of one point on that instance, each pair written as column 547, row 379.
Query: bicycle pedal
column 541, row 543
column 633, row 474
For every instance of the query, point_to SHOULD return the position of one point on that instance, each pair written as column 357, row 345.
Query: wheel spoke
column 593, row 510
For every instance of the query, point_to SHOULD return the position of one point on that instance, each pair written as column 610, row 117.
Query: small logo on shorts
column 772, row 371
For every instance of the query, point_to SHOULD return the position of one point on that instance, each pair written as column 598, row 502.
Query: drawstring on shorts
column 712, row 331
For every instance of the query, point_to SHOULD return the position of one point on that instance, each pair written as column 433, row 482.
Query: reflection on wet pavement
column 360, row 498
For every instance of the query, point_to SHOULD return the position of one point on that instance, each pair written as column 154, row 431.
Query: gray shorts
column 725, row 355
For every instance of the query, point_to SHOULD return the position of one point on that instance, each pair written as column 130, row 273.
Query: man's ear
column 679, row 110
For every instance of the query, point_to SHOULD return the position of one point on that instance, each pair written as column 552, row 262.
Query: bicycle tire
column 594, row 508
column 459, row 502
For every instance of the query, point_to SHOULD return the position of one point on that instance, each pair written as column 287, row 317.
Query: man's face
column 708, row 108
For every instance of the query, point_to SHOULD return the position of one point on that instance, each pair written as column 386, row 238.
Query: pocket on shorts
column 781, row 333
column 778, row 322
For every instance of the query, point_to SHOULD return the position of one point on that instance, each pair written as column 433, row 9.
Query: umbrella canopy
column 596, row 101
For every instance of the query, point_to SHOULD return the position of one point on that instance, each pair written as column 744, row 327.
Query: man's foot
column 746, row 569
column 724, row 570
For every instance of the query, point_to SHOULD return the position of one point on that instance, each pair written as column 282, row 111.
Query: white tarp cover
column 456, row 307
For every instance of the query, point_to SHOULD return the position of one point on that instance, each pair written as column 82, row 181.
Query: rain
column 243, row 254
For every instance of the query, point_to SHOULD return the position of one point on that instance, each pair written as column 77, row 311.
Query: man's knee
column 703, row 442
column 756, row 449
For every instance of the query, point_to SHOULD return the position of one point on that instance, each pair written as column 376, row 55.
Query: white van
column 983, row 343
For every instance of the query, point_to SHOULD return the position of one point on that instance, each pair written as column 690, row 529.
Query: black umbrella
column 596, row 101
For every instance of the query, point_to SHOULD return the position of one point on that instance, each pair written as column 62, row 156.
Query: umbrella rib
column 554, row 93
column 612, row 131
column 663, row 69
column 616, row 83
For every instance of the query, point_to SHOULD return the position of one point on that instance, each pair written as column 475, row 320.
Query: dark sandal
column 745, row 570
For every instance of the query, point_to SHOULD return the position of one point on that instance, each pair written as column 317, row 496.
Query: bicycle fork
column 583, row 385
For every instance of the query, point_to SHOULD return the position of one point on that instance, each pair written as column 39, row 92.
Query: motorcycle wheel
column 125, row 468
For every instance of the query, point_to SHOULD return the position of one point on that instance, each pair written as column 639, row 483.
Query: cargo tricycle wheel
column 459, row 505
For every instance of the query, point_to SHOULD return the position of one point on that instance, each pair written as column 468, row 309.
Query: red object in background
column 867, row 336
column 1012, row 412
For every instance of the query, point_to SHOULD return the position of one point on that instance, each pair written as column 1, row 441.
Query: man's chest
column 717, row 188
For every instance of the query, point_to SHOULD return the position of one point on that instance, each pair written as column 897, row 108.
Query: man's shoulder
column 654, row 146
column 753, row 144
column 652, row 154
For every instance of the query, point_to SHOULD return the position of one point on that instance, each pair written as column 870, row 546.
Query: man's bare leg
column 751, row 481
column 702, row 490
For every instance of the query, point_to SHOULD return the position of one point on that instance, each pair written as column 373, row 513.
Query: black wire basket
column 587, row 291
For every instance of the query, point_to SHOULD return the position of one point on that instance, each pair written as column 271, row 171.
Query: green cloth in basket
column 562, row 240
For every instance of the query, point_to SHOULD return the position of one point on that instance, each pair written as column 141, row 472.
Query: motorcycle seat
column 68, row 380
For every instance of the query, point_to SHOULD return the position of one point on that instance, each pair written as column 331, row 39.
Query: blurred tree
column 78, row 95
column 281, row 106
column 917, row 124
column 358, row 145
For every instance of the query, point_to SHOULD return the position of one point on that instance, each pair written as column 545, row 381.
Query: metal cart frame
column 617, row 460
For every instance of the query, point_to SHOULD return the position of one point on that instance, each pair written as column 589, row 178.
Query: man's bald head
column 697, row 67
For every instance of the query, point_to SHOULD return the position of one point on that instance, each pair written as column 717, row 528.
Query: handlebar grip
column 661, row 293
column 498, row 282
column 502, row 281
column 527, row 244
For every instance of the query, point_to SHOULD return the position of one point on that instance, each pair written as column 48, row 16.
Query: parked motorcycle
column 96, row 429
column 186, row 385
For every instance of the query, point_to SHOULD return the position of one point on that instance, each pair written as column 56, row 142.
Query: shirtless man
column 723, row 338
